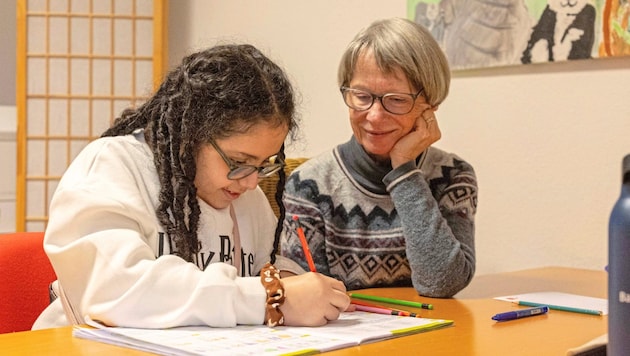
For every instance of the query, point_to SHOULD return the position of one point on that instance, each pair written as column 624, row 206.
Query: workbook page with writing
column 361, row 327
column 350, row 329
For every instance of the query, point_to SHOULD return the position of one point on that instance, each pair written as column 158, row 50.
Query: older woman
column 386, row 208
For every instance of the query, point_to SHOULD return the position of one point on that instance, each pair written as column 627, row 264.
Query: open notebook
column 349, row 330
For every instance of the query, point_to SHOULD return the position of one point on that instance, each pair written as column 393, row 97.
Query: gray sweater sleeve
column 438, row 228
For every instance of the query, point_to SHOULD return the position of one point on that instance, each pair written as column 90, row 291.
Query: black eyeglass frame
column 345, row 89
column 240, row 171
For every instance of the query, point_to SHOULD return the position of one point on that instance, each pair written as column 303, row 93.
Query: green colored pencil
column 563, row 308
column 391, row 301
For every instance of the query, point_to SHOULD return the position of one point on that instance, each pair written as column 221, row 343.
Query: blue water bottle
column 619, row 270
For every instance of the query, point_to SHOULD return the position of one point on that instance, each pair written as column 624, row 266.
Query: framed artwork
column 486, row 33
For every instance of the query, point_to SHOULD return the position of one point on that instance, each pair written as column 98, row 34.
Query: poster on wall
column 487, row 33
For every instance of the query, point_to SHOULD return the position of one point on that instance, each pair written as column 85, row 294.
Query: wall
column 546, row 140
column 7, row 179
column 7, row 54
column 7, row 116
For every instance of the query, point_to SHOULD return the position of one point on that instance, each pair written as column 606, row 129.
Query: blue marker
column 521, row 313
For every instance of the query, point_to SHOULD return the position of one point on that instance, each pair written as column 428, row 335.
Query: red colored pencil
column 307, row 251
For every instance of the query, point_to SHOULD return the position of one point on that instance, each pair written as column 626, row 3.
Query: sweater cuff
column 250, row 309
column 286, row 264
column 395, row 174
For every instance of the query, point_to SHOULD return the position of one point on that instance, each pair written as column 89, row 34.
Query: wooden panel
column 79, row 63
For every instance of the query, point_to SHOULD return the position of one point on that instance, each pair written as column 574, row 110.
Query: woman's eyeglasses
column 395, row 103
column 240, row 171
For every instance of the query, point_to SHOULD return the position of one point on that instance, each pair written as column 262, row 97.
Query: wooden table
column 474, row 333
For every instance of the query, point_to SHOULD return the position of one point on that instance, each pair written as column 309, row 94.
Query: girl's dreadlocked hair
column 212, row 94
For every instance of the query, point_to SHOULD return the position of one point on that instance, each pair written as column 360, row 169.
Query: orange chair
column 25, row 274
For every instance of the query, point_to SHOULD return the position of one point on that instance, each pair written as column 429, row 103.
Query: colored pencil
column 378, row 310
column 391, row 300
column 307, row 251
column 561, row 307
column 360, row 302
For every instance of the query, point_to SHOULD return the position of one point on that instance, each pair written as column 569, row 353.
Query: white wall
column 546, row 140
column 7, row 116
column 7, row 54
column 8, row 164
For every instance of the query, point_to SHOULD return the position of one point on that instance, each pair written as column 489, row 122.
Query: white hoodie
column 111, row 254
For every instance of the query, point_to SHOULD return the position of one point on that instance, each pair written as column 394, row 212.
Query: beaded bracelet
column 270, row 279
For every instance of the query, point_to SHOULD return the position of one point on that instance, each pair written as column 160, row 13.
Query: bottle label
column 624, row 297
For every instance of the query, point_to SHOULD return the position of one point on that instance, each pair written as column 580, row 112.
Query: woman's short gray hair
column 404, row 44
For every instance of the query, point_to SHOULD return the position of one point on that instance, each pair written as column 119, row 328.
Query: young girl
column 160, row 222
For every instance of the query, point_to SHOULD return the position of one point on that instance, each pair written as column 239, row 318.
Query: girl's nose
column 250, row 182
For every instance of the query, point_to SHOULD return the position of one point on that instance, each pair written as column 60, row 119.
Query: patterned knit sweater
column 370, row 226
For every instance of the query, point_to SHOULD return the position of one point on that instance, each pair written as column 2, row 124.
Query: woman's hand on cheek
column 423, row 134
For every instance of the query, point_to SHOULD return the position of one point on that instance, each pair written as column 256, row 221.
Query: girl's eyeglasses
column 240, row 171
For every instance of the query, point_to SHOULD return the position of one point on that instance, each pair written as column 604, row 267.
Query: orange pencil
column 307, row 251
